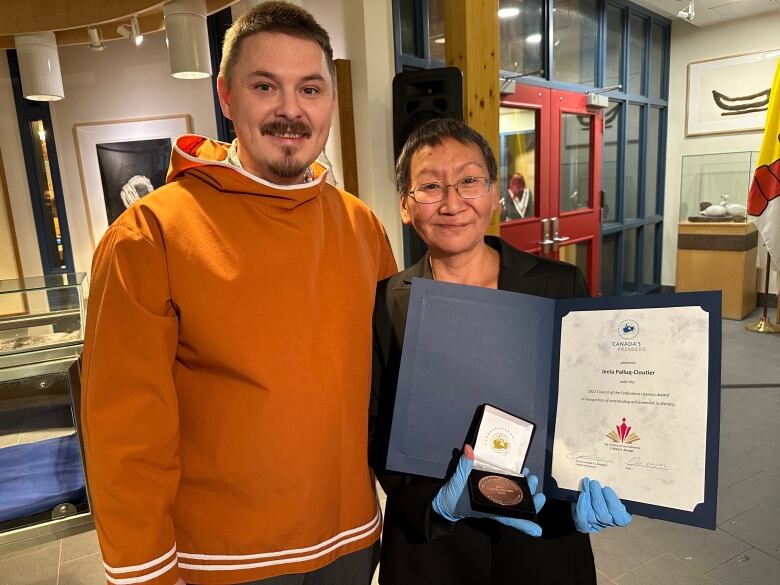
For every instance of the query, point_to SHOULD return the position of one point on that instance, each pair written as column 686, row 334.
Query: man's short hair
column 431, row 133
column 273, row 17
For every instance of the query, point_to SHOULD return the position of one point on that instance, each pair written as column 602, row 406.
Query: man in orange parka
column 228, row 349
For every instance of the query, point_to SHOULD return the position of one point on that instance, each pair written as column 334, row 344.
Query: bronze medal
column 500, row 490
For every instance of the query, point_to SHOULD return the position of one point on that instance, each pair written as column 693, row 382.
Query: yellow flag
column 764, row 194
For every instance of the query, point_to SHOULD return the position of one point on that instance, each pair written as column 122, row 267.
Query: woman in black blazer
column 453, row 173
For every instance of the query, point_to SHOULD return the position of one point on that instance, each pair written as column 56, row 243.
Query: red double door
column 550, row 176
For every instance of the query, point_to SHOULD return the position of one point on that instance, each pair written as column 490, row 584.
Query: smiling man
column 228, row 348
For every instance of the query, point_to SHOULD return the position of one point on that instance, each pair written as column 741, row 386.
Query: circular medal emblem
column 500, row 490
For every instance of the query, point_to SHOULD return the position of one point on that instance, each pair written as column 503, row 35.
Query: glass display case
column 720, row 181
column 43, row 492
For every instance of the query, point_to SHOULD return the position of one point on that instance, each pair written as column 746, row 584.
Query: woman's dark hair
column 431, row 133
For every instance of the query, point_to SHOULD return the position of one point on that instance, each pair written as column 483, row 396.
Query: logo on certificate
column 623, row 434
column 628, row 329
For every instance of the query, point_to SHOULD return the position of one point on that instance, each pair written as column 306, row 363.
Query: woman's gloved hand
column 598, row 508
column 452, row 500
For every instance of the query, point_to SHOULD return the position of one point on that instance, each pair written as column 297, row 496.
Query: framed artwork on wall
column 121, row 161
column 729, row 94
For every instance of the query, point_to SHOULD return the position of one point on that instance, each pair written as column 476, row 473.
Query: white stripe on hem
column 203, row 557
column 143, row 578
column 241, row 567
column 134, row 568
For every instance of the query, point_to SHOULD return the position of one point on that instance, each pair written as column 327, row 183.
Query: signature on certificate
column 588, row 458
column 637, row 462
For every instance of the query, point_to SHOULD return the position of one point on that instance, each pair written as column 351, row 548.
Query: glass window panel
column 629, row 261
column 609, row 170
column 631, row 186
column 436, row 29
column 657, row 60
column 575, row 38
column 651, row 166
column 517, row 163
column 521, row 37
column 614, row 45
column 648, row 255
column 51, row 222
column 608, row 265
column 636, row 54
column 575, row 161
column 576, row 254
column 408, row 9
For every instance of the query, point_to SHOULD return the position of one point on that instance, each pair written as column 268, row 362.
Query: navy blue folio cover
column 465, row 346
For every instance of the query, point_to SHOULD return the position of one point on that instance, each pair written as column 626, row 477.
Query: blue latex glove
column 598, row 508
column 452, row 500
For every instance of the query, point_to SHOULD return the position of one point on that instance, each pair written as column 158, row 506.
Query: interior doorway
column 550, row 176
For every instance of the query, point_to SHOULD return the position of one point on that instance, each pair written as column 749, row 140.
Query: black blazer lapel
column 401, row 288
column 518, row 272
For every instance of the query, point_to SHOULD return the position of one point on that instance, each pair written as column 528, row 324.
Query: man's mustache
column 281, row 127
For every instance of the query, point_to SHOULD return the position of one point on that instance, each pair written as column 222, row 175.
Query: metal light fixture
column 131, row 31
column 39, row 66
column 508, row 12
column 187, row 37
column 95, row 41
column 687, row 13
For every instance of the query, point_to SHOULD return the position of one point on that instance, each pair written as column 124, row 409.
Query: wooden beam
column 471, row 44
column 347, row 126
column 150, row 19
column 45, row 15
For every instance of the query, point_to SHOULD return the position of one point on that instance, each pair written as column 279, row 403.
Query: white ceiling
column 707, row 12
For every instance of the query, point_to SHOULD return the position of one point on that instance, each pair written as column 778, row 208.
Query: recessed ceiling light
column 534, row 38
column 508, row 12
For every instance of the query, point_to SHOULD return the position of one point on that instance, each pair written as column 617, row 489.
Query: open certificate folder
column 624, row 390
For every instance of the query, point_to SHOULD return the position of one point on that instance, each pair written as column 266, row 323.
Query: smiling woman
column 446, row 176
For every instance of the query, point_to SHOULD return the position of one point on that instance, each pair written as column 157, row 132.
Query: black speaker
column 427, row 94
column 419, row 96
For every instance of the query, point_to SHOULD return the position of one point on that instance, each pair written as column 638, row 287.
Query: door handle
column 556, row 237
column 546, row 242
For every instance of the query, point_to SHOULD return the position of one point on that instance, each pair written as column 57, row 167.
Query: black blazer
column 418, row 545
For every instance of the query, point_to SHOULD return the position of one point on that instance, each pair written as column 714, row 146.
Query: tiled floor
column 744, row 550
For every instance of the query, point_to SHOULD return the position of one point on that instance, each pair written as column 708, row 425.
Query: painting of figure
column 131, row 169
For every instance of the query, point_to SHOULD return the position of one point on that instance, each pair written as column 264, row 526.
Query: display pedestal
column 719, row 256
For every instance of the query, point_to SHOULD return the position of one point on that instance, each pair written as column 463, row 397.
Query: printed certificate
column 632, row 403
column 624, row 390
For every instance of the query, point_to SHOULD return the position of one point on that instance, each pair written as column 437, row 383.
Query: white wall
column 123, row 82
column 362, row 31
column 368, row 42
column 8, row 265
column 690, row 43
column 18, row 189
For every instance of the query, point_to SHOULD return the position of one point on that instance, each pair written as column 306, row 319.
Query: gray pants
column 356, row 568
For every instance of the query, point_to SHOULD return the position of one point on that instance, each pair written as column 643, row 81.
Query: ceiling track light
column 95, row 40
column 131, row 31
column 687, row 13
column 508, row 12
